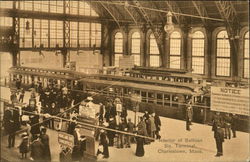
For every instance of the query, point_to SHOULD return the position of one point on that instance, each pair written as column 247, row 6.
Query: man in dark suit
column 10, row 127
column 101, row 113
column 76, row 134
column 227, row 125
column 111, row 134
column 218, row 132
column 219, row 139
column 53, row 111
column 35, row 125
column 233, row 124
column 188, row 117
column 131, row 128
column 157, row 125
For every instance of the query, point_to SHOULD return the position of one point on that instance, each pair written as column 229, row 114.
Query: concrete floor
column 172, row 146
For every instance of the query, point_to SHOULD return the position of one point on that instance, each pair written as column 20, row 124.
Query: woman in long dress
column 45, row 141
column 139, row 140
column 139, row 146
column 104, row 143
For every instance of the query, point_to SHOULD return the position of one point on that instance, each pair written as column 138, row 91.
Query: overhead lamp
column 169, row 27
column 27, row 27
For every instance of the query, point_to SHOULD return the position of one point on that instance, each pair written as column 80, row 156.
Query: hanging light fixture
column 169, row 27
column 27, row 27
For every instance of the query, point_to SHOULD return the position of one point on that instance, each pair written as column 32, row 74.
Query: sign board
column 136, row 97
column 66, row 139
column 119, row 107
column 231, row 100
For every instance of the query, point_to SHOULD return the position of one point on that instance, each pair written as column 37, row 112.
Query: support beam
column 15, row 39
column 66, row 34
column 228, row 13
column 199, row 6
column 129, row 12
column 159, row 13
column 117, row 22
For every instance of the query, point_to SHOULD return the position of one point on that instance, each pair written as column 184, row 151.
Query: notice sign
column 231, row 100
column 65, row 139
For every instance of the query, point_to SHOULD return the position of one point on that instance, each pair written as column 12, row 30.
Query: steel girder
column 66, row 32
column 111, row 14
column 199, row 6
column 158, row 32
column 232, row 23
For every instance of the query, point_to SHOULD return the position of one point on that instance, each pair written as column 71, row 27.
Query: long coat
column 152, row 124
column 219, row 134
column 24, row 146
column 37, row 150
column 104, row 143
column 139, row 146
column 35, row 127
column 189, row 114
column 157, row 122
column 45, row 141
column 217, row 121
column 142, row 128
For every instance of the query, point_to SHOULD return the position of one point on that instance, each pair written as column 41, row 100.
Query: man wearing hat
column 82, row 144
column 219, row 139
column 218, row 133
column 111, row 134
column 188, row 117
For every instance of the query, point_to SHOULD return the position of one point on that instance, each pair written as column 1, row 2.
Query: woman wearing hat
column 45, row 141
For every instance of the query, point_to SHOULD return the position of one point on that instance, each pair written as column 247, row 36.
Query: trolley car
column 165, row 94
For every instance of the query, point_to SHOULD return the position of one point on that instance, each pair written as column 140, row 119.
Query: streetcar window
column 175, row 101
column 151, row 97
column 166, row 99
column 144, row 96
column 159, row 98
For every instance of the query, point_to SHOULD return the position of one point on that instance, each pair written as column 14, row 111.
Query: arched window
column 198, row 45
column 118, row 47
column 136, row 48
column 175, row 50
column 246, row 55
column 154, row 55
column 223, row 54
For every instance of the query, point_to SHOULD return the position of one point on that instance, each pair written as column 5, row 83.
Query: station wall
column 47, row 59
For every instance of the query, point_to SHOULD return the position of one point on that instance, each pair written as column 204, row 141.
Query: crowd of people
column 44, row 103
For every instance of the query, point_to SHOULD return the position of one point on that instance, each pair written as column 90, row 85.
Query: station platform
column 176, row 144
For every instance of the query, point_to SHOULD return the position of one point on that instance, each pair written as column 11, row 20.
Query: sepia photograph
column 124, row 81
